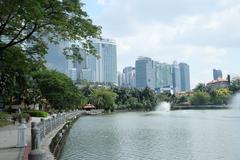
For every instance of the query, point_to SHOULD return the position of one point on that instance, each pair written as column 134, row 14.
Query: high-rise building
column 73, row 74
column 55, row 58
column 100, row 68
column 176, row 77
column 185, row 76
column 163, row 75
column 217, row 74
column 129, row 77
column 144, row 73
column 120, row 79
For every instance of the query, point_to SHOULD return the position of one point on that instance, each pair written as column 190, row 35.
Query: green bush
column 20, row 117
column 200, row 98
column 4, row 116
column 37, row 113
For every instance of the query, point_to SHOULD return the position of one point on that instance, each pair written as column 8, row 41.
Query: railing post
column 44, row 127
column 21, row 137
column 51, row 124
column 35, row 136
column 36, row 153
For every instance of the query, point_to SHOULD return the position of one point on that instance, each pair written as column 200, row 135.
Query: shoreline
column 200, row 107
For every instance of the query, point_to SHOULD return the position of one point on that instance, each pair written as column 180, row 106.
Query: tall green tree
column 34, row 23
column 15, row 79
column 104, row 99
column 58, row 89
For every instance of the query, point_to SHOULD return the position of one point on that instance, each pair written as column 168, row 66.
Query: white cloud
column 101, row 2
column 200, row 33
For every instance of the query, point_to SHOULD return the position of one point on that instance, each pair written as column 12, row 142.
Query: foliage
column 20, row 117
column 58, row 89
column 15, row 79
column 220, row 96
column 199, row 98
column 201, row 87
column 4, row 116
column 182, row 99
column 37, row 113
column 234, row 86
column 103, row 98
column 34, row 23
column 135, row 99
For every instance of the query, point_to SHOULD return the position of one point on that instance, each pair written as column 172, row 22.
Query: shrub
column 20, row 117
column 199, row 98
column 37, row 113
column 4, row 116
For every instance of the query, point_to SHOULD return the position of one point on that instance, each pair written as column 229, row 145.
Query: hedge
column 37, row 113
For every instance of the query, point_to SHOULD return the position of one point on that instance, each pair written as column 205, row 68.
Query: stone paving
column 8, row 141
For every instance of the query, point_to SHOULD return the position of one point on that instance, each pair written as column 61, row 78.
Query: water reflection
column 180, row 135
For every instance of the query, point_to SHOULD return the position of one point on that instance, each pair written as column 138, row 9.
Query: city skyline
column 194, row 36
column 159, row 76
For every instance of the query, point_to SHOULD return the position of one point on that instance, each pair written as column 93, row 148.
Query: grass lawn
column 4, row 123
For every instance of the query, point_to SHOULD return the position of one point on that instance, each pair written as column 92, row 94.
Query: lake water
column 175, row 135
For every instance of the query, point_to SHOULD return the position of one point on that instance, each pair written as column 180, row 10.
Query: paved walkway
column 8, row 141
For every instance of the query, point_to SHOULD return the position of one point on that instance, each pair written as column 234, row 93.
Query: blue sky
column 203, row 33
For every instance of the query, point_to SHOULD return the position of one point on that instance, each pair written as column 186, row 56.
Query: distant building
column 73, row 74
column 87, row 74
column 100, row 68
column 220, row 83
column 144, row 73
column 185, row 76
column 120, row 79
column 217, row 74
column 165, row 89
column 163, row 75
column 129, row 77
column 176, row 77
column 55, row 58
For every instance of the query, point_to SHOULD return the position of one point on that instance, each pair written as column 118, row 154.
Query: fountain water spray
column 163, row 107
column 235, row 101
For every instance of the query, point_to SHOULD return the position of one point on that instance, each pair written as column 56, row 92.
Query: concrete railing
column 43, row 128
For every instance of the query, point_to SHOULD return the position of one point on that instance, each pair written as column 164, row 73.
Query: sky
column 202, row 33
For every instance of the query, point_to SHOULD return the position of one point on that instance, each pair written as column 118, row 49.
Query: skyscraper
column 129, row 77
column 102, row 68
column 144, row 73
column 176, row 77
column 163, row 75
column 105, row 67
column 217, row 74
column 185, row 76
column 55, row 58
column 119, row 79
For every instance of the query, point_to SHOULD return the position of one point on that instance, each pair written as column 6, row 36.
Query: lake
column 175, row 135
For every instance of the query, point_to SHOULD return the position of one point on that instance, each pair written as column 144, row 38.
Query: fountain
column 235, row 101
column 163, row 107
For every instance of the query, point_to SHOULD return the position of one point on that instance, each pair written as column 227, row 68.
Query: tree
column 34, row 23
column 221, row 96
column 200, row 87
column 58, row 89
column 199, row 98
column 104, row 99
column 15, row 79
column 234, row 86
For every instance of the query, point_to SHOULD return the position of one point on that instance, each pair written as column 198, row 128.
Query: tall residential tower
column 145, row 73
column 185, row 76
